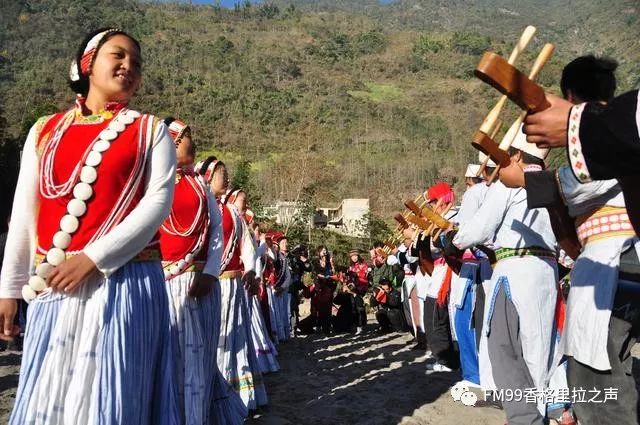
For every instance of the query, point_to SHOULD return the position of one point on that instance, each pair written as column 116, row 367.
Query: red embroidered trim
column 574, row 147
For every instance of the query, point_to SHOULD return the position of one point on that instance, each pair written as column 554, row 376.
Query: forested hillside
column 335, row 99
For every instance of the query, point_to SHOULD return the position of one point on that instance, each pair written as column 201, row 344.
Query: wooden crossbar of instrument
column 537, row 104
column 435, row 222
column 489, row 124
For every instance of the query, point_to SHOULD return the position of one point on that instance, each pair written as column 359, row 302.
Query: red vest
column 186, row 201
column 269, row 272
column 114, row 171
column 228, row 231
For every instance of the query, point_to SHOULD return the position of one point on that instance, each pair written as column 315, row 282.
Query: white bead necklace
column 171, row 227
column 85, row 171
column 180, row 266
column 91, row 157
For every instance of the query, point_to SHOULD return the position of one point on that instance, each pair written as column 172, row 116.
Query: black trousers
column 361, row 312
column 390, row 319
column 438, row 333
column 478, row 313
column 510, row 368
column 294, row 303
column 624, row 330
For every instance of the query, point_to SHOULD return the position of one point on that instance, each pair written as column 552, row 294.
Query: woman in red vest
column 265, row 349
column 96, row 181
column 237, row 358
column 191, row 248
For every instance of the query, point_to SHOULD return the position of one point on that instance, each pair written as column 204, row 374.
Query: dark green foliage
column 427, row 44
column 424, row 50
column 271, row 107
column 470, row 43
column 242, row 178
column 335, row 48
column 350, row 98
column 268, row 11
column 222, row 47
column 370, row 42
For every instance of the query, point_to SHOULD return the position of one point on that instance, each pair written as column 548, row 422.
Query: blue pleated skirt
column 237, row 358
column 100, row 356
column 225, row 404
column 265, row 349
column 204, row 397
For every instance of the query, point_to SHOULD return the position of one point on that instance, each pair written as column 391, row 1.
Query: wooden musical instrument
column 516, row 86
column 490, row 127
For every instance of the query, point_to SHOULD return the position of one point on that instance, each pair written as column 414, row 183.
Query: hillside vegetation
column 332, row 99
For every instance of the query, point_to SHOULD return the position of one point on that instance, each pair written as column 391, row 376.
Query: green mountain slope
column 341, row 98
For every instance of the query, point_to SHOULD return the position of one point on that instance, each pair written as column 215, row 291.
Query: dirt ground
column 342, row 379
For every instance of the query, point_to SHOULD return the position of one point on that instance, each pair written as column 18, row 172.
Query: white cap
column 472, row 170
column 520, row 143
column 482, row 157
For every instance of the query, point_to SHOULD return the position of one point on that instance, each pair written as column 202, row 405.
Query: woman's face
column 186, row 151
column 220, row 181
column 283, row 244
column 354, row 258
column 115, row 74
column 323, row 252
column 241, row 202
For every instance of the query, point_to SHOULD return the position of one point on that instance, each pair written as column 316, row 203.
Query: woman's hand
column 202, row 286
column 255, row 289
column 71, row 274
column 8, row 310
column 249, row 281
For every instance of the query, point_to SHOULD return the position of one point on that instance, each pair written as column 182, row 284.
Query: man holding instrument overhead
column 467, row 293
column 521, row 297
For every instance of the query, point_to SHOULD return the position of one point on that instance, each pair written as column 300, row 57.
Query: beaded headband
column 177, row 130
column 86, row 60
column 232, row 196
column 208, row 174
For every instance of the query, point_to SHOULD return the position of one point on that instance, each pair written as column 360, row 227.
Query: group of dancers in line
column 141, row 275
column 152, row 300
column 535, row 285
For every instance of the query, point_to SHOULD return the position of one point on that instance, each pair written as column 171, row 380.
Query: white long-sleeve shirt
column 261, row 251
column 582, row 198
column 215, row 248
column 115, row 248
column 505, row 218
column 392, row 260
column 594, row 277
column 471, row 201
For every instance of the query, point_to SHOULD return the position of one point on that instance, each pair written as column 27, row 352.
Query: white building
column 285, row 212
column 348, row 218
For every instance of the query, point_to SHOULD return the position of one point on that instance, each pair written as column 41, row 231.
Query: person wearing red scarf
column 437, row 314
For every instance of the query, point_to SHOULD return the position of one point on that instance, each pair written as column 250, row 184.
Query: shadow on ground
column 356, row 379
